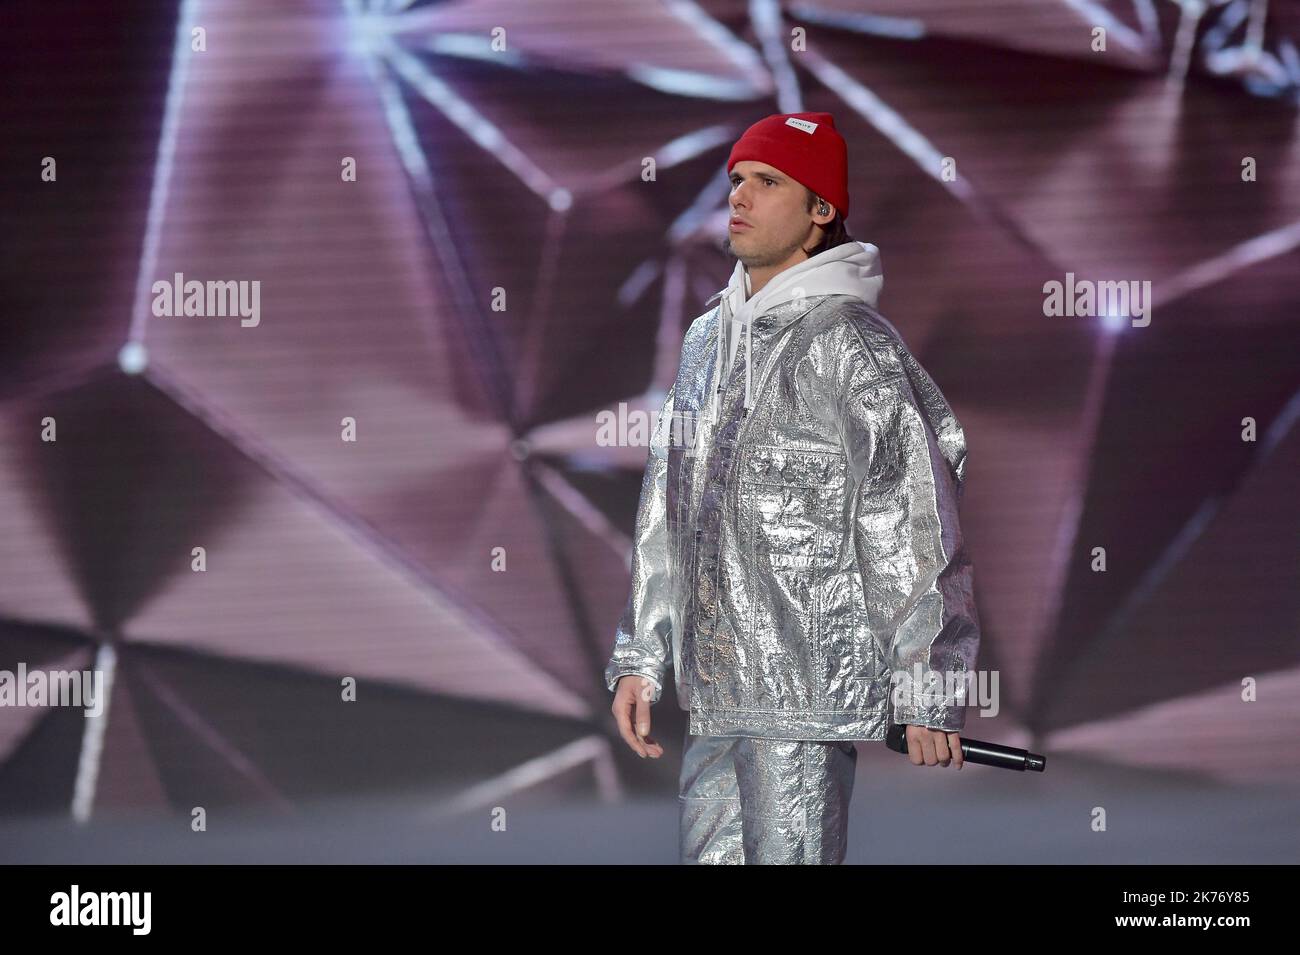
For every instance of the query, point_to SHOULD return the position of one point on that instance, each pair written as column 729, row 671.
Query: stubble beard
column 759, row 260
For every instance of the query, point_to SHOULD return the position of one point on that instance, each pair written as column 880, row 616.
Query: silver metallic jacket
column 790, row 557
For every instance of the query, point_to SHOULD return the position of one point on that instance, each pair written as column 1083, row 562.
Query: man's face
column 774, row 208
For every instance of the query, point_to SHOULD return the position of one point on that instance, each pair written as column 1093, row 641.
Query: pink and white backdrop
column 501, row 274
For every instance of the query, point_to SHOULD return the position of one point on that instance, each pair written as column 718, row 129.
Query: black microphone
column 975, row 751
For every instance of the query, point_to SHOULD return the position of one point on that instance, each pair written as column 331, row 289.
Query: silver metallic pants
column 745, row 800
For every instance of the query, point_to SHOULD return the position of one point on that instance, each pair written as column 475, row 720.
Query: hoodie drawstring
column 727, row 322
column 725, row 317
column 749, row 360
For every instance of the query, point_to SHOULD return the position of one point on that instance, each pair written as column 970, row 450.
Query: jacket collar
column 852, row 268
column 766, row 325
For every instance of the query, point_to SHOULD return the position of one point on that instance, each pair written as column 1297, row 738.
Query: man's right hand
column 631, row 709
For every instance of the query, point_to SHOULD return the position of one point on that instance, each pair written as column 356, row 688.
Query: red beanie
column 804, row 146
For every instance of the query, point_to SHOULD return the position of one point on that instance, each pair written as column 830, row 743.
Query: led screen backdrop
column 466, row 238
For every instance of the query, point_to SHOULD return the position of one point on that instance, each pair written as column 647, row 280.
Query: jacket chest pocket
column 793, row 501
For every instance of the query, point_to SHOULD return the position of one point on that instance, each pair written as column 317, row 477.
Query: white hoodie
column 852, row 268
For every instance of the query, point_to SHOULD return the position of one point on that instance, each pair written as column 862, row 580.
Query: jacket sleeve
column 642, row 643
column 916, row 575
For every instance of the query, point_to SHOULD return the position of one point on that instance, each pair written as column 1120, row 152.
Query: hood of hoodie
column 852, row 268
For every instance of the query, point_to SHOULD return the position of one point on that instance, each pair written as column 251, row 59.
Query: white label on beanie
column 803, row 124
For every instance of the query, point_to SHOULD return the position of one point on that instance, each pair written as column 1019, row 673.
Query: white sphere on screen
column 132, row 358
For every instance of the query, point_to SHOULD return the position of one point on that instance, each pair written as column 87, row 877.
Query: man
column 797, row 547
